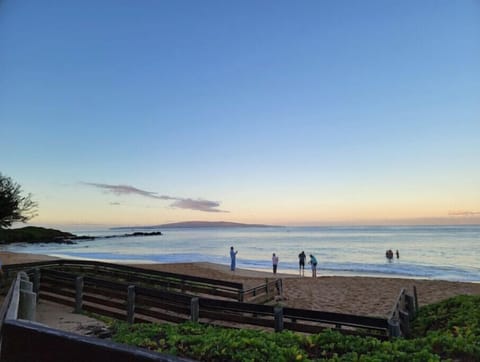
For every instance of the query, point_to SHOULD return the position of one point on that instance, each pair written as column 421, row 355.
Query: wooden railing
column 10, row 306
column 139, row 295
column 23, row 340
column 404, row 310
column 263, row 292
column 133, row 303
column 188, row 284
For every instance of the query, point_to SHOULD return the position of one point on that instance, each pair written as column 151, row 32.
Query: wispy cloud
column 178, row 202
column 463, row 213
column 127, row 190
column 115, row 203
column 201, row 205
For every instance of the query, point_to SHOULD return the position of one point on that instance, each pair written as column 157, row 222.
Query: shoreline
column 359, row 295
column 6, row 256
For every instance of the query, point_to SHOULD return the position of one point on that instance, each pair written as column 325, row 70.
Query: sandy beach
column 354, row 295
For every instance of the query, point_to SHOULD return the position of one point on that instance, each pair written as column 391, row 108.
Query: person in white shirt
column 274, row 263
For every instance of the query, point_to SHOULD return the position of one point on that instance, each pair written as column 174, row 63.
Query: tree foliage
column 14, row 207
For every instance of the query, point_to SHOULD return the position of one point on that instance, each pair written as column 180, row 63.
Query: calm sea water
column 432, row 252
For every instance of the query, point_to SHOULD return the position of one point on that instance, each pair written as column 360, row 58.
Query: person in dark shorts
column 301, row 263
column 274, row 263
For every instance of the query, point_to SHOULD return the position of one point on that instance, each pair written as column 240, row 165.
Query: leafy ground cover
column 449, row 330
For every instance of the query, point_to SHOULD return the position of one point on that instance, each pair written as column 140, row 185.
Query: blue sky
column 298, row 113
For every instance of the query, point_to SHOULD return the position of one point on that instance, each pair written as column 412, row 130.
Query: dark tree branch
column 14, row 207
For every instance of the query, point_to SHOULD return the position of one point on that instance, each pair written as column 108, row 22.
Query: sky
column 276, row 112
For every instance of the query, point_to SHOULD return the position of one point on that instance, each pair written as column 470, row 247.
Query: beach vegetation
column 15, row 206
column 449, row 330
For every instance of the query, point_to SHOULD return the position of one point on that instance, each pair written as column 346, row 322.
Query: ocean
column 429, row 252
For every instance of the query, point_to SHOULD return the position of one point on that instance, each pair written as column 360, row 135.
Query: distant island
column 35, row 234
column 198, row 224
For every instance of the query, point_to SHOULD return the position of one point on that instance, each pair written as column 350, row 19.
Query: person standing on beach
column 274, row 263
column 301, row 263
column 233, row 257
column 313, row 261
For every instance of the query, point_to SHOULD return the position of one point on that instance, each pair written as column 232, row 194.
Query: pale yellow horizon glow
column 76, row 204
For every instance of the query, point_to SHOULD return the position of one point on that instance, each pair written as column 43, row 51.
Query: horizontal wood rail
column 129, row 270
column 145, row 277
column 334, row 318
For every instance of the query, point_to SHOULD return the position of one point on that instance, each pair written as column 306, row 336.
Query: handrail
column 22, row 340
column 333, row 317
column 396, row 305
column 61, row 262
column 403, row 311
column 193, row 284
column 6, row 305
column 13, row 305
column 109, row 281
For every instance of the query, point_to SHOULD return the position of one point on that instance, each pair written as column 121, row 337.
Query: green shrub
column 459, row 315
column 444, row 331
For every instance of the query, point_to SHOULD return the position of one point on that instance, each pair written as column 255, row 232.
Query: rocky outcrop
column 36, row 235
column 33, row 234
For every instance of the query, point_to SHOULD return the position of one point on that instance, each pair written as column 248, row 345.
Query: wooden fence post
column 194, row 309
column 410, row 305
column 404, row 323
column 26, row 285
column 78, row 294
column 393, row 328
column 27, row 300
column 393, row 322
column 278, row 314
column 131, row 304
column 279, row 287
column 416, row 298
column 402, row 300
column 36, row 281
